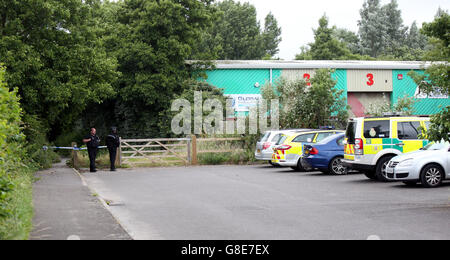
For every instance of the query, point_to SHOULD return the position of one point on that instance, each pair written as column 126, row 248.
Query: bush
column 15, row 176
column 35, row 133
column 404, row 106
column 303, row 106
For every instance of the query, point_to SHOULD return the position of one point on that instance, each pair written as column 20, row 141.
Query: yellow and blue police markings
column 349, row 152
column 296, row 148
column 376, row 145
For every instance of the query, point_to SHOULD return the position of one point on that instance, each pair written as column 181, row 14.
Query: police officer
column 113, row 142
column 92, row 142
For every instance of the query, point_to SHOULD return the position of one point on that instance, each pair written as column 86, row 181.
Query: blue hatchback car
column 326, row 155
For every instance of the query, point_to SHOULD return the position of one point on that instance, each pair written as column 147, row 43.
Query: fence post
column 75, row 156
column 194, row 150
column 189, row 150
column 119, row 154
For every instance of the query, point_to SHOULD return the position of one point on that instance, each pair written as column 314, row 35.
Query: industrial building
column 363, row 82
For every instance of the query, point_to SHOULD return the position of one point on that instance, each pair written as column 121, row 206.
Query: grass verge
column 17, row 224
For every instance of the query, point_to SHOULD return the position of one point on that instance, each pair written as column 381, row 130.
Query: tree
column 10, row 140
column 271, row 35
column 349, row 38
column 236, row 34
column 152, row 41
column 326, row 46
column 395, row 30
column 302, row 106
column 437, row 76
column 415, row 39
column 372, row 28
column 54, row 56
column 305, row 53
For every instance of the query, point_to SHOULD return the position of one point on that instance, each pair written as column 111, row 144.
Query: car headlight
column 406, row 163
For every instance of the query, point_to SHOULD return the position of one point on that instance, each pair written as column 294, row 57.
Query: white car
column 429, row 166
column 264, row 148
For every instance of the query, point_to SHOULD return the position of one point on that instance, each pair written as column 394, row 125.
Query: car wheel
column 299, row 167
column 271, row 163
column 432, row 176
column 382, row 165
column 370, row 174
column 336, row 167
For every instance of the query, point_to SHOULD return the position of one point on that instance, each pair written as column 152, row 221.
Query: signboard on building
column 369, row 81
column 243, row 102
column 436, row 94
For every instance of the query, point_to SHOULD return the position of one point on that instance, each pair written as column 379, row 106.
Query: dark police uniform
column 92, row 150
column 112, row 142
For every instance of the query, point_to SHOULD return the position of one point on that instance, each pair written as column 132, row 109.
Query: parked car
column 289, row 153
column 326, row 155
column 373, row 142
column 264, row 148
column 429, row 166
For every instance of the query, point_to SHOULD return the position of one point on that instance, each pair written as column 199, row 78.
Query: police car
column 289, row 151
column 372, row 142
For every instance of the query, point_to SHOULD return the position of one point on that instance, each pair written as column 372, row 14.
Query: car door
column 408, row 132
column 448, row 163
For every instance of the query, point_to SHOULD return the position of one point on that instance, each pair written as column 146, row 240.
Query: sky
column 297, row 18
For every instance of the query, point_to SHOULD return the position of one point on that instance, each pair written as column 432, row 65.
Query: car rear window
column 377, row 129
column 322, row 136
column 351, row 132
column 265, row 137
column 303, row 138
column 408, row 130
column 281, row 140
column 276, row 138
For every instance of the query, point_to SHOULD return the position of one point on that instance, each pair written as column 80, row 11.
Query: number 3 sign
column 307, row 77
column 370, row 81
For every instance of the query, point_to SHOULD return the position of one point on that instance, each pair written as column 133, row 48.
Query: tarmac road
column 65, row 209
column 266, row 203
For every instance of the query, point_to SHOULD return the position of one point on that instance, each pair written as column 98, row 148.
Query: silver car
column 429, row 166
column 264, row 148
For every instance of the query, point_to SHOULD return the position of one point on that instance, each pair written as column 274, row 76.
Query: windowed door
column 408, row 133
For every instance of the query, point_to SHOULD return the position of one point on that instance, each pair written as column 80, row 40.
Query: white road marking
column 373, row 237
column 73, row 237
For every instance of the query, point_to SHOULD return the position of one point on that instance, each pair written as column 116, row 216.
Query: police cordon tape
column 45, row 148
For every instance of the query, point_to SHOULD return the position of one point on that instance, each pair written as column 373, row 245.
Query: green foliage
column 34, row 131
column 11, row 140
column 236, row 34
column 55, row 58
column 271, row 35
column 440, row 126
column 309, row 107
column 404, row 106
column 372, row 28
column 349, row 38
column 15, row 176
column 331, row 43
column 17, row 223
column 326, row 46
column 190, row 86
column 437, row 76
column 242, row 151
column 151, row 40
